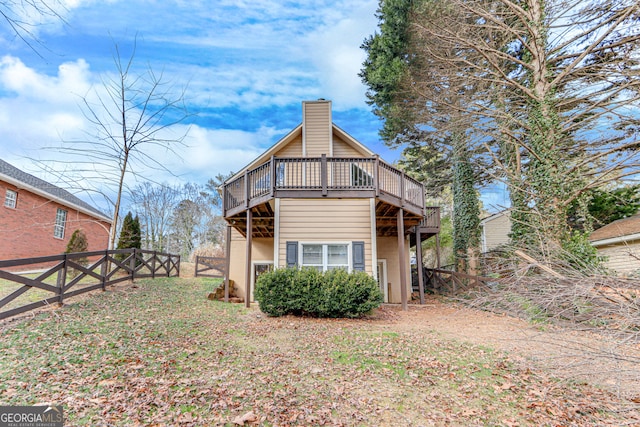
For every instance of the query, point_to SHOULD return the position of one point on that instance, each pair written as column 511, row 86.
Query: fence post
column 274, row 176
column 60, row 282
column 132, row 265
column 323, row 174
column 103, row 270
column 153, row 265
column 196, row 268
column 376, row 174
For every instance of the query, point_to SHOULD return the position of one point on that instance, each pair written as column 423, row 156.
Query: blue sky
column 248, row 65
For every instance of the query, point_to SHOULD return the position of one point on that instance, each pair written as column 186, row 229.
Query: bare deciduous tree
column 154, row 205
column 132, row 116
column 22, row 16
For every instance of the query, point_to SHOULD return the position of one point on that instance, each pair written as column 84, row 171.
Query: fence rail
column 451, row 282
column 68, row 275
column 207, row 266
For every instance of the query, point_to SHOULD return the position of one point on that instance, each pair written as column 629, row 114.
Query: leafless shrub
column 553, row 291
column 209, row 250
column 557, row 297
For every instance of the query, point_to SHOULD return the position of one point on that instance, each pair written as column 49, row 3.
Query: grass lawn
column 160, row 353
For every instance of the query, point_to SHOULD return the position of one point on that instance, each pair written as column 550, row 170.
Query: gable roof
column 496, row 215
column 21, row 179
column 295, row 132
column 620, row 230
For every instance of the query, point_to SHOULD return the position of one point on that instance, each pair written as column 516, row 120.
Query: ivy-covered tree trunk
column 466, row 209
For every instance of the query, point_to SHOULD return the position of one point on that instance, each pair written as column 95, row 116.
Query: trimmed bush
column 335, row 293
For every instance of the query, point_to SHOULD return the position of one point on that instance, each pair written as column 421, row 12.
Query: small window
column 11, row 199
column 61, row 222
column 325, row 256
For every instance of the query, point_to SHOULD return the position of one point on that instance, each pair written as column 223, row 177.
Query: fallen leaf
column 249, row 417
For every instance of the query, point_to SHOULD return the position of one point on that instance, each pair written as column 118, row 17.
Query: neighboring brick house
column 38, row 218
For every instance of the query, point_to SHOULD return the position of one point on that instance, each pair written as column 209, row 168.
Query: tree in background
column 179, row 218
column 130, row 236
column 132, row 114
column 78, row 243
column 439, row 149
column 20, row 16
column 154, row 205
column 605, row 206
column 547, row 77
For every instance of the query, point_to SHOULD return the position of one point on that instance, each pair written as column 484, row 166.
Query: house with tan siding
column 319, row 198
column 619, row 242
column 495, row 230
column 38, row 218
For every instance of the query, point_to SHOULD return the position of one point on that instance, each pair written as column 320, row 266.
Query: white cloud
column 237, row 55
column 39, row 111
column 336, row 53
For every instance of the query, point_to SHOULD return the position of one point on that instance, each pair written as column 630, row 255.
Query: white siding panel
column 495, row 232
column 342, row 149
column 293, row 149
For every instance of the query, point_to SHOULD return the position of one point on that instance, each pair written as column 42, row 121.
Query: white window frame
column 325, row 254
column 60, row 224
column 11, row 199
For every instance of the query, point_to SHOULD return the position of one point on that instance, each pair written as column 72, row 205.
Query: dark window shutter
column 358, row 256
column 292, row 254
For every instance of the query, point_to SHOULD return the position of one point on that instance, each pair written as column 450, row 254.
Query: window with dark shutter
column 358, row 256
column 292, row 254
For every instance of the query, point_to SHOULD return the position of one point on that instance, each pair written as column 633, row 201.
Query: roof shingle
column 619, row 228
column 57, row 192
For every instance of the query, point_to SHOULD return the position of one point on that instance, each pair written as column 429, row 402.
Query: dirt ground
column 570, row 355
column 579, row 356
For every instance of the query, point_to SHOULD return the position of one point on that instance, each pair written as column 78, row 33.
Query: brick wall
column 27, row 231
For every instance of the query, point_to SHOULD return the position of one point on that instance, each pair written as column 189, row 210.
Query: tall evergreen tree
column 558, row 88
column 130, row 236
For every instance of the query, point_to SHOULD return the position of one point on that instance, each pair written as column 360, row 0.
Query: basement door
column 382, row 279
column 259, row 267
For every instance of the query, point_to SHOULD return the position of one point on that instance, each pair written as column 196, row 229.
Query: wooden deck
column 327, row 177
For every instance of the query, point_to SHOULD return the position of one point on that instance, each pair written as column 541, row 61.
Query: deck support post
column 227, row 263
column 324, row 179
column 419, row 264
column 402, row 260
column 438, row 250
column 247, row 276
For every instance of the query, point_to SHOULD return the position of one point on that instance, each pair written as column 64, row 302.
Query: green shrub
column 335, row 293
column 349, row 295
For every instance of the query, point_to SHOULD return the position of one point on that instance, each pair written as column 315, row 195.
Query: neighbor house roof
column 495, row 216
column 21, row 179
column 625, row 229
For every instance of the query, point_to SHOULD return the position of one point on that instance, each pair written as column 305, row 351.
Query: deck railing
column 322, row 176
column 431, row 217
